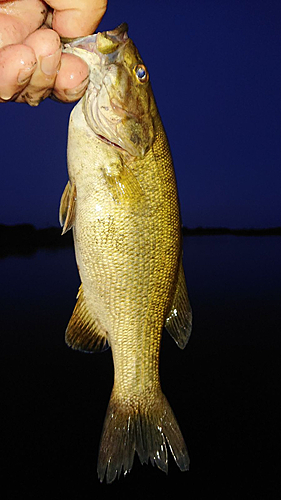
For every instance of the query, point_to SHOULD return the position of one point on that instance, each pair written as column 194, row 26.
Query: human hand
column 32, row 65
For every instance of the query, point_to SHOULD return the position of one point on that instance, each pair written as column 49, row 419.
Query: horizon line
column 26, row 240
column 28, row 225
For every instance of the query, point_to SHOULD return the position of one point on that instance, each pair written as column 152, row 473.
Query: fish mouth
column 96, row 43
column 120, row 33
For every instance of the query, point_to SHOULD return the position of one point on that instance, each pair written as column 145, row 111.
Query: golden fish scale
column 128, row 260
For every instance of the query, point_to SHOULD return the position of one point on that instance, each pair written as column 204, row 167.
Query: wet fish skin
column 121, row 201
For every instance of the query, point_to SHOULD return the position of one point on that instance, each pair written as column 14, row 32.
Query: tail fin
column 133, row 426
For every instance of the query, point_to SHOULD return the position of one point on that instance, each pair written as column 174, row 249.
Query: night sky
column 215, row 67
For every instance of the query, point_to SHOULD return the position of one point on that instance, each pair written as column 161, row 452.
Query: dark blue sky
column 215, row 67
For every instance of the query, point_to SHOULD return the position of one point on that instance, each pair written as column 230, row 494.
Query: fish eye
column 141, row 73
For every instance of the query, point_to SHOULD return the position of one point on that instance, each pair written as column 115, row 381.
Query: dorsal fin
column 83, row 332
column 179, row 321
column 67, row 207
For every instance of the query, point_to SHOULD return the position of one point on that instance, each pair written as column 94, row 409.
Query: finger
column 73, row 18
column 47, row 47
column 72, row 79
column 20, row 18
column 17, row 64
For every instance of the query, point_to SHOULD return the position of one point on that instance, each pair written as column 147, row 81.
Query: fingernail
column 79, row 89
column 24, row 75
column 8, row 95
column 50, row 64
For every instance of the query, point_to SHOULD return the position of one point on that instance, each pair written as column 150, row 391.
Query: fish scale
column 122, row 203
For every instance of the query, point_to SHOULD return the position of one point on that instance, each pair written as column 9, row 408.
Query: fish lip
column 120, row 34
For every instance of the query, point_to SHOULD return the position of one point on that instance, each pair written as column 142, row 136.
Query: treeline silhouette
column 25, row 239
column 213, row 231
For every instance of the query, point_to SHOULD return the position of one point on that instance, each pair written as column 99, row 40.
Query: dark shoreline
column 25, row 239
column 213, row 231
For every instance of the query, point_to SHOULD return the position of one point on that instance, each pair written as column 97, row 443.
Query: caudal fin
column 146, row 429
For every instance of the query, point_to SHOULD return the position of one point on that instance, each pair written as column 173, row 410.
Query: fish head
column 118, row 104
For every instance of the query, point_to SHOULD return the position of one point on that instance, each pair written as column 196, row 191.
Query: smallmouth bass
column 121, row 202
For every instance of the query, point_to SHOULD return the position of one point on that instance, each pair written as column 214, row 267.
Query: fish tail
column 140, row 426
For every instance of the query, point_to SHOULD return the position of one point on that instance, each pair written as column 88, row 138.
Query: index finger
column 74, row 18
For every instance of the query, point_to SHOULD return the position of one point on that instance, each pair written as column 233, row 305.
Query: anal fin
column 83, row 332
column 179, row 321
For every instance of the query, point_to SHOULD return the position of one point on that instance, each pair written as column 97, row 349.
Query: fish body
column 121, row 201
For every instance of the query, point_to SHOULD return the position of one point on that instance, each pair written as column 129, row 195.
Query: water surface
column 224, row 387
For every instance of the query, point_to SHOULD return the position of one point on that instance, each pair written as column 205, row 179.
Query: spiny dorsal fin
column 67, row 207
column 179, row 321
column 83, row 332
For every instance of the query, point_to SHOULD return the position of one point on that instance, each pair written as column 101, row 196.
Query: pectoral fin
column 83, row 332
column 179, row 321
column 67, row 207
column 122, row 184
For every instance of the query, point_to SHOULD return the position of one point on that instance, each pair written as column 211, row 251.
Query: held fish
column 121, row 201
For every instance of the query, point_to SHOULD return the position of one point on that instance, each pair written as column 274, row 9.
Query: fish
column 121, row 202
